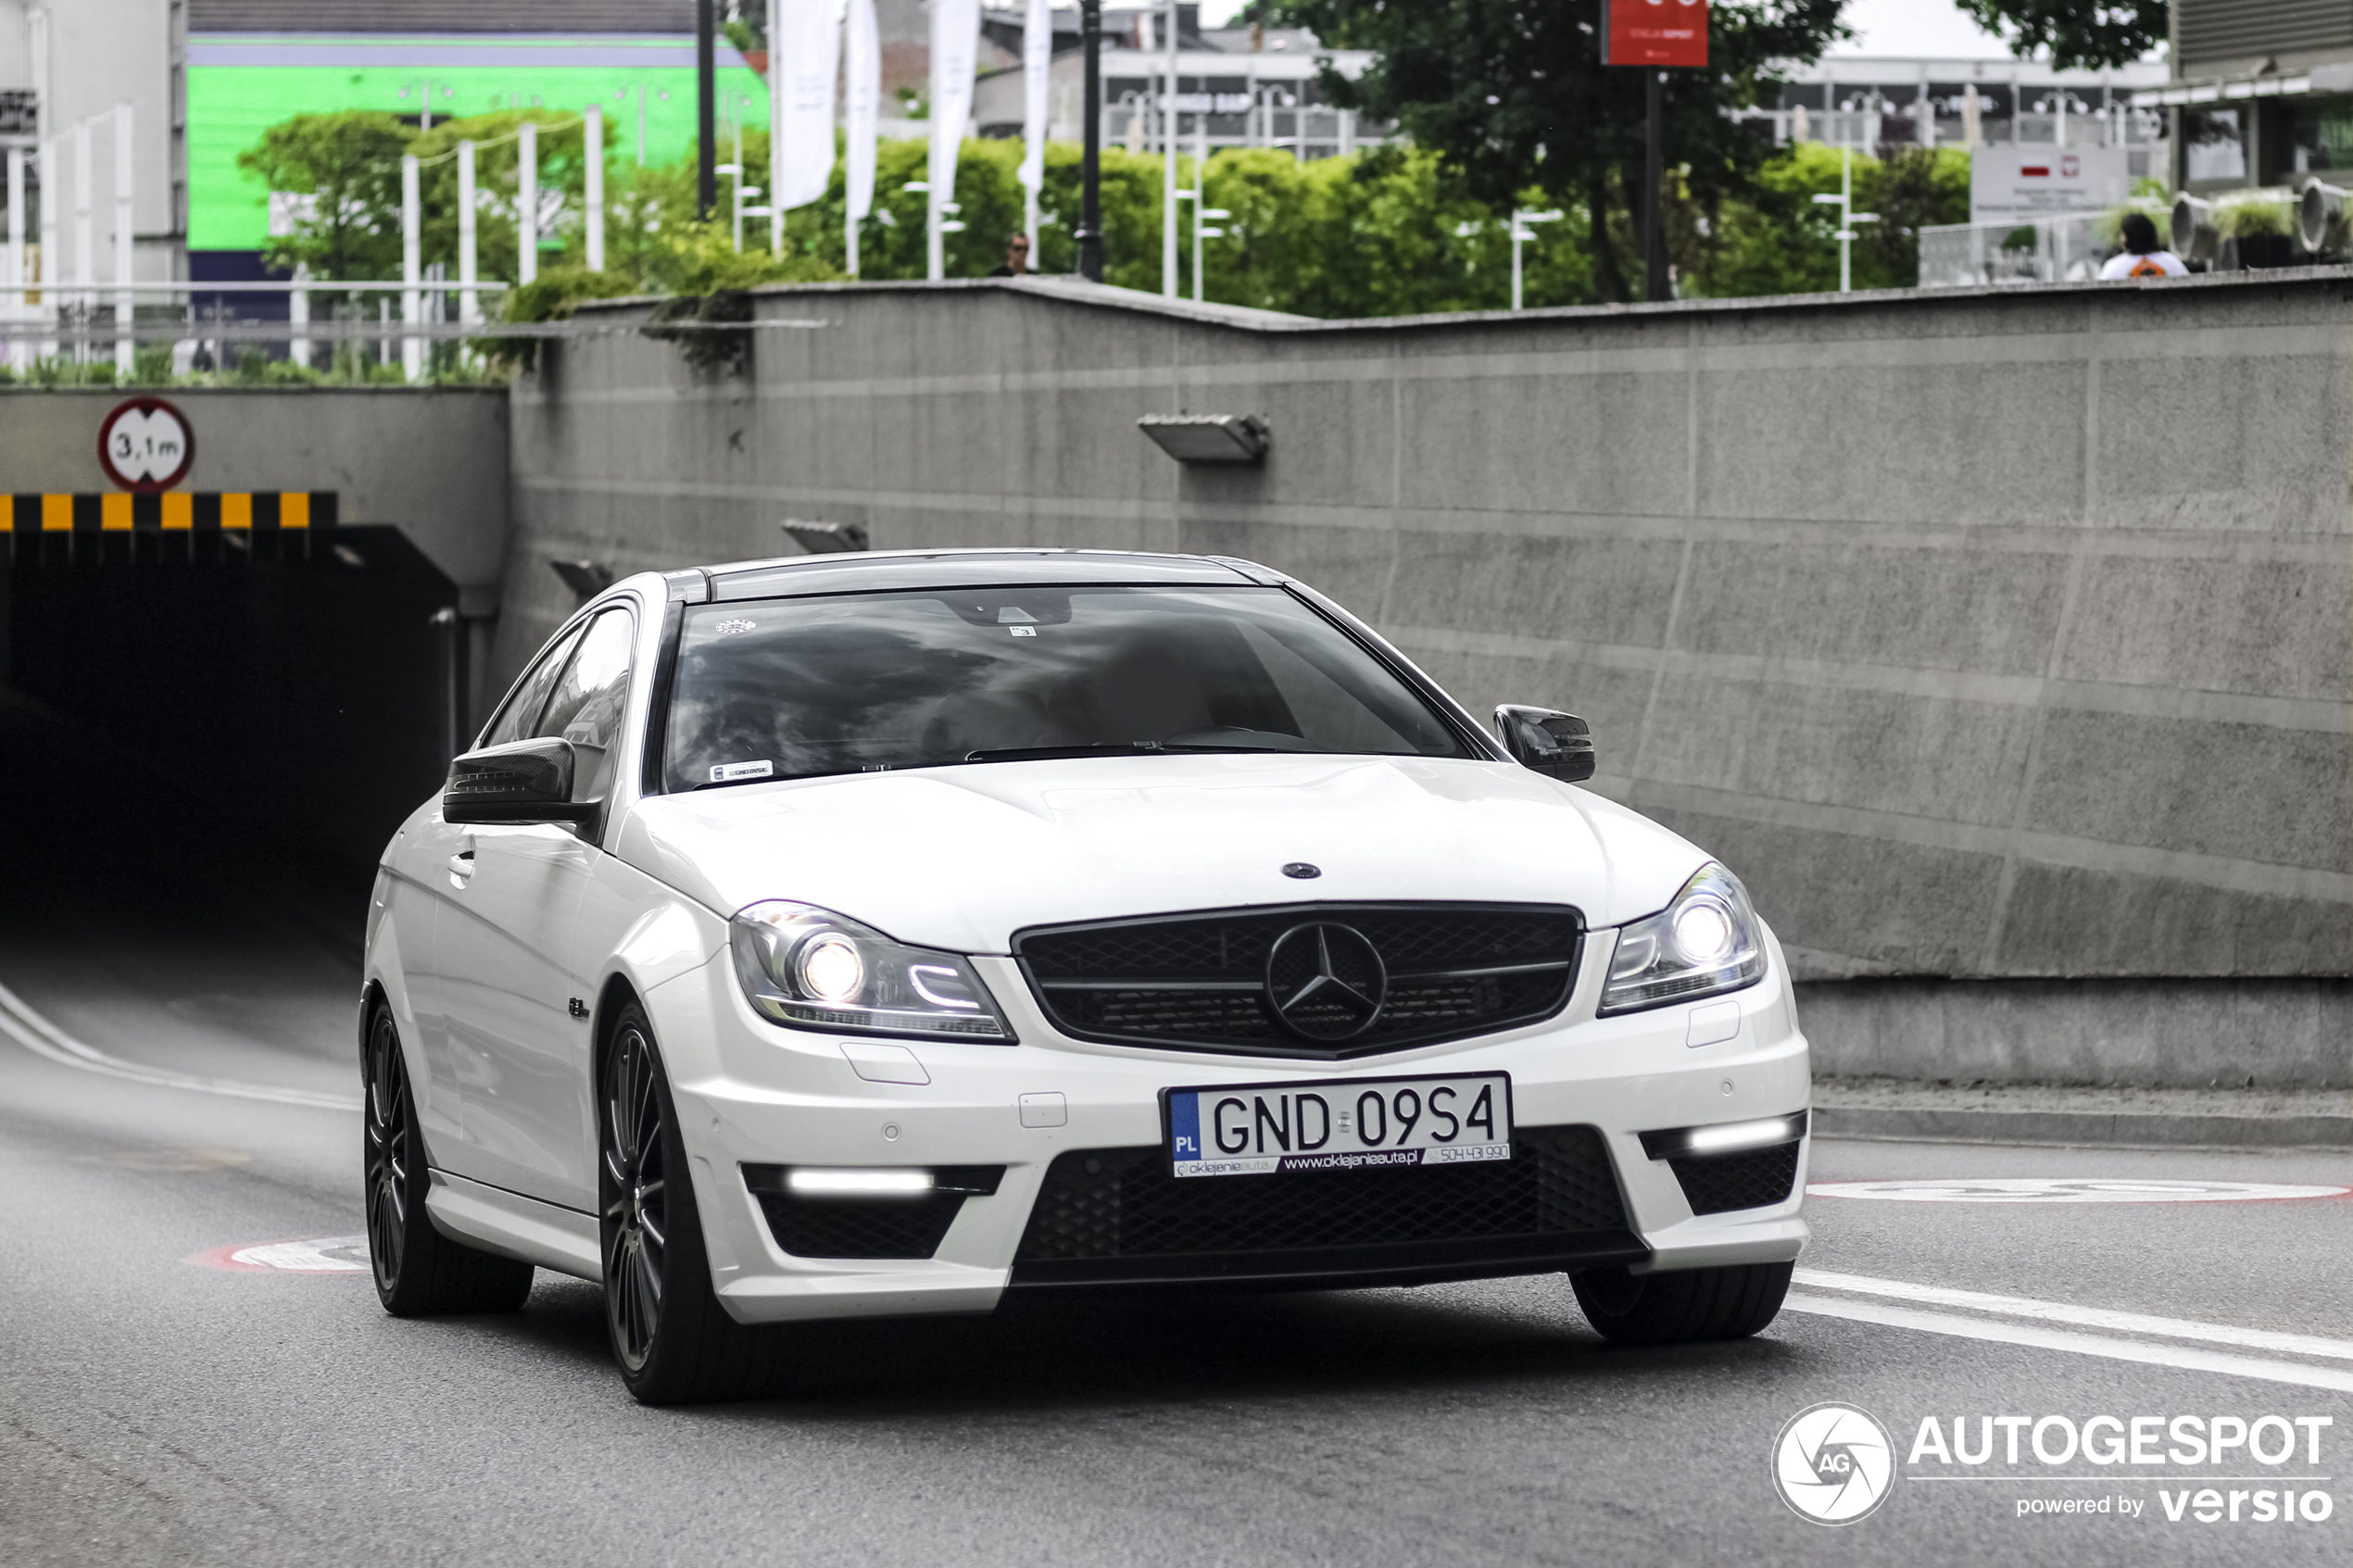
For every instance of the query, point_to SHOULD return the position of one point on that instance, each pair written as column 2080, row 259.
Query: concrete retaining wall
column 1988, row 636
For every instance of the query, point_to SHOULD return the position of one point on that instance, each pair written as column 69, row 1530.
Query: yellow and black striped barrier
column 233, row 517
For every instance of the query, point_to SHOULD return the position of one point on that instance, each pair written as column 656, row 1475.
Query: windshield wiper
column 1107, row 748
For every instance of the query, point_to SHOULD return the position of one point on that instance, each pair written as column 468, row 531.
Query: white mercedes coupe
column 883, row 934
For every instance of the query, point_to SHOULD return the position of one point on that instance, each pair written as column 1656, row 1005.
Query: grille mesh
column 1122, row 1203
column 860, row 1227
column 1197, row 981
column 1757, row 1178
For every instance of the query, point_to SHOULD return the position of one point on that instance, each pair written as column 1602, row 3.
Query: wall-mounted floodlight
column 1209, row 438
column 827, row 538
column 587, row 579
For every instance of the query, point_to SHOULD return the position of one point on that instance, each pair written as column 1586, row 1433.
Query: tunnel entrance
column 286, row 692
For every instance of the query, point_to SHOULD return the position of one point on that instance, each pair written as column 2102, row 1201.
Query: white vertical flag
column 955, row 38
column 776, row 116
column 1036, row 59
column 862, row 79
column 804, row 51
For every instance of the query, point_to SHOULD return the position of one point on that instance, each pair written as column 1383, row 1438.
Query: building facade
column 2261, row 92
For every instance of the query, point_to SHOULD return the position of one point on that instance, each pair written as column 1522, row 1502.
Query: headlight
column 811, row 969
column 1704, row 942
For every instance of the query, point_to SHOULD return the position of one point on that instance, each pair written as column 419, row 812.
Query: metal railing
column 2061, row 248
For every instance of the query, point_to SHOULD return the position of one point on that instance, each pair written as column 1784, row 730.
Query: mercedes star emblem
column 1325, row 982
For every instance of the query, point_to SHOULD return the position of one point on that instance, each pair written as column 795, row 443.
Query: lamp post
column 1091, row 200
column 1521, row 235
column 1202, row 215
column 425, row 86
column 1848, row 218
column 706, row 110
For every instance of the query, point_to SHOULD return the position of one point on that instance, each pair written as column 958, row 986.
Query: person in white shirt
column 2142, row 256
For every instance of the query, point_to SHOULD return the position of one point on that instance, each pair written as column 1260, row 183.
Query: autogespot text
column 2212, row 1469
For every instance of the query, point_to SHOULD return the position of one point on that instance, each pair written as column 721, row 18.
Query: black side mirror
column 525, row 781
column 1559, row 746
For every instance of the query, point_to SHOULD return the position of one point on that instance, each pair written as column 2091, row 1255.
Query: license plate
column 1339, row 1124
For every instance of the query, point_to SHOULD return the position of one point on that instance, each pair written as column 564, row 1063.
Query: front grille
column 851, row 1226
column 1116, row 1214
column 1239, row 980
column 1756, row 1178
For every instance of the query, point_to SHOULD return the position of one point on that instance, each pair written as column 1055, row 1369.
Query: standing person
column 2142, row 256
column 1017, row 257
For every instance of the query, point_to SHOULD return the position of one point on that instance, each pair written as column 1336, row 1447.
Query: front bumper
column 751, row 1094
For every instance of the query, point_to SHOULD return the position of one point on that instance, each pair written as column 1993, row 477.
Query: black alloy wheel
column 1682, row 1305
column 419, row 1272
column 636, row 1224
column 674, row 1339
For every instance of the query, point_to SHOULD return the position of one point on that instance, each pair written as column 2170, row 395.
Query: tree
column 343, row 170
column 1512, row 97
column 2075, row 34
column 1777, row 239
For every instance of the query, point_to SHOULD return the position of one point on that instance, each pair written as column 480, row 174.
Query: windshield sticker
column 1023, row 631
column 731, row 628
column 728, row 773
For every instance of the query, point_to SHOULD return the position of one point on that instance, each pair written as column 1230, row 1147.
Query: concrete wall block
column 1929, row 607
column 2244, row 791
column 1334, row 442
column 2166, row 1033
column 1941, row 759
column 1611, row 698
column 1848, row 902
column 1581, row 589
column 1932, row 443
column 1350, row 564
column 2269, row 628
column 2250, row 444
column 1613, row 445
column 2064, row 921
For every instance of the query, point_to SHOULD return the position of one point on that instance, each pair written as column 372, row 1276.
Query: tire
column 675, row 1343
column 420, row 1273
column 1681, row 1305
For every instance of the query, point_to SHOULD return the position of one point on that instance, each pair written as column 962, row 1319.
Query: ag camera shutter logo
column 1834, row 1464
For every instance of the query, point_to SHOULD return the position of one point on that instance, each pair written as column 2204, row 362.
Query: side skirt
column 515, row 1226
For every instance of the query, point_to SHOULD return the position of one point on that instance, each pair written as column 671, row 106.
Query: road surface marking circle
column 2069, row 1189
column 1832, row 1463
column 318, row 1255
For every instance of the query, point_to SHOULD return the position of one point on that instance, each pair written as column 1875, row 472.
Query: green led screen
column 238, row 87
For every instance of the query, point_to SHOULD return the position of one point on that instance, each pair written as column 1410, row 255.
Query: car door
column 437, row 859
column 520, row 1056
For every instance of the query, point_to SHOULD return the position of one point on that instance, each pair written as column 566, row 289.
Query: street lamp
column 1848, row 218
column 1202, row 215
column 423, row 86
column 1090, row 183
column 1521, row 235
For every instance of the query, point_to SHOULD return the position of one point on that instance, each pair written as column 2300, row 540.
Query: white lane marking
column 2082, row 1317
column 326, row 1255
column 2184, row 1357
column 37, row 1034
column 2069, row 1189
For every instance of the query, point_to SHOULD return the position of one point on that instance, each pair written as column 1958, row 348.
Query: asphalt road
column 156, row 1409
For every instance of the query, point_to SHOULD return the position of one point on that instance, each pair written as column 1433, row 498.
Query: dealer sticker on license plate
column 1339, row 1124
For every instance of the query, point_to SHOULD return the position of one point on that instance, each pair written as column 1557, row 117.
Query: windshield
column 792, row 688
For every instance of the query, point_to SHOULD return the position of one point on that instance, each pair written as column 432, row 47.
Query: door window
column 585, row 704
column 516, row 721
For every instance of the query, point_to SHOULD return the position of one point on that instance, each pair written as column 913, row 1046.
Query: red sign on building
column 1653, row 33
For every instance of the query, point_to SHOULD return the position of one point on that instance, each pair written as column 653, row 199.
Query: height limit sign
column 146, row 445
column 1655, row 32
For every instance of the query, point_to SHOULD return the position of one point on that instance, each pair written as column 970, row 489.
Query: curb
column 2109, row 1129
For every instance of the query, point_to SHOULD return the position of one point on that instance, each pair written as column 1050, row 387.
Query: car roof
column 877, row 571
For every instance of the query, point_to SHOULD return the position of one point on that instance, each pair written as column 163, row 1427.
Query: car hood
column 963, row 857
